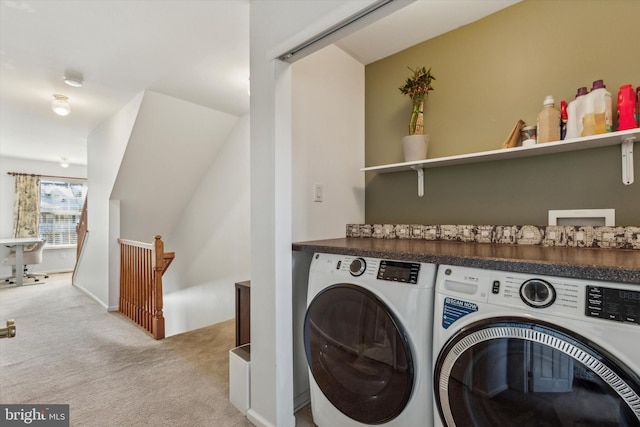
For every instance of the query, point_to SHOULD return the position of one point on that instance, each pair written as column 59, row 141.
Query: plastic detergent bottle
column 574, row 114
column 597, row 113
column 563, row 119
column 549, row 122
column 638, row 106
column 626, row 108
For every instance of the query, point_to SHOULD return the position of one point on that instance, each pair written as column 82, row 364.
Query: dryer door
column 517, row 372
column 358, row 354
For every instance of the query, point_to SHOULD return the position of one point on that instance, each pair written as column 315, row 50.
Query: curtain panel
column 26, row 206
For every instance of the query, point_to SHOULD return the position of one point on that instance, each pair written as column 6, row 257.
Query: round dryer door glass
column 358, row 354
column 519, row 373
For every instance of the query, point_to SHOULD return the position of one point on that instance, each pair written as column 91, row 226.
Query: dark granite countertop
column 616, row 265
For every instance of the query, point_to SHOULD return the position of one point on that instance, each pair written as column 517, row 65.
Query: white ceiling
column 195, row 50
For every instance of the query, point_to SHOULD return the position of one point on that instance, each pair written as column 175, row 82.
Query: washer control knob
column 537, row 293
column 357, row 267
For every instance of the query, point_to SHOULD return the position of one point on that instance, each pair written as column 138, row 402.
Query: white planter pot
column 415, row 147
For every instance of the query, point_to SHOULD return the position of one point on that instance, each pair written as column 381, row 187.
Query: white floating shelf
column 625, row 138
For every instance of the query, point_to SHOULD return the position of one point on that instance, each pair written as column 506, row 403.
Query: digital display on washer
column 397, row 271
column 613, row 304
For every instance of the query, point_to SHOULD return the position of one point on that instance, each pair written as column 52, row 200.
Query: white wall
column 205, row 206
column 171, row 146
column 211, row 241
column 274, row 26
column 54, row 260
column 328, row 148
column 105, row 148
column 148, row 158
column 328, row 143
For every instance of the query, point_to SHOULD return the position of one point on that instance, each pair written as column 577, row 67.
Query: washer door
column 517, row 372
column 358, row 354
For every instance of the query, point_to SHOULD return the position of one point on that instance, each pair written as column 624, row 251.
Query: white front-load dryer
column 522, row 350
column 367, row 337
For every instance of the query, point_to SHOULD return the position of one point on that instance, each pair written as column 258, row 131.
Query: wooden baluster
column 141, row 268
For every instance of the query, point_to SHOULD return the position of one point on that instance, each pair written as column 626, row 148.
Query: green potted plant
column 417, row 86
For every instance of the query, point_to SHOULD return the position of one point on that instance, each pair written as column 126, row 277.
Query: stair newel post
column 158, row 267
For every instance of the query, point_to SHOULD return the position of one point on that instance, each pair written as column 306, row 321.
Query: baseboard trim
column 301, row 400
column 59, row 271
column 257, row 419
column 92, row 296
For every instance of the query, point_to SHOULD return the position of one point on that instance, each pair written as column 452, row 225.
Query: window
column 60, row 209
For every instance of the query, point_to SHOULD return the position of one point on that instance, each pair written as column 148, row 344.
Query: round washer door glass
column 358, row 354
column 521, row 373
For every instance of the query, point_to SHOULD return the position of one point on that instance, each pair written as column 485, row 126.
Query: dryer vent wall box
column 583, row 217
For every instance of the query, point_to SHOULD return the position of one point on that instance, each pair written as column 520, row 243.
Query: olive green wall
column 490, row 74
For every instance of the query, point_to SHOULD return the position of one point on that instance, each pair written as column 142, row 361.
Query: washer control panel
column 621, row 305
column 537, row 293
column 467, row 289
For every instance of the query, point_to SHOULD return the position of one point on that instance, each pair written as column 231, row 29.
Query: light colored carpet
column 69, row 350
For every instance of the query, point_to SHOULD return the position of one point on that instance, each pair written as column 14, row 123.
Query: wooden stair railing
column 141, row 268
column 81, row 230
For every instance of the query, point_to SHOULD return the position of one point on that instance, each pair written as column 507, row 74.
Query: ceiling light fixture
column 73, row 81
column 60, row 105
column 64, row 162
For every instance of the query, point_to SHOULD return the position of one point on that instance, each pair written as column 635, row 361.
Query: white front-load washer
column 367, row 336
column 514, row 349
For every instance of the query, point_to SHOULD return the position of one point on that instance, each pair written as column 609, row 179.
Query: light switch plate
column 317, row 192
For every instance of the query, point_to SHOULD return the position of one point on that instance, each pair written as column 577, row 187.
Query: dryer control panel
column 398, row 271
column 621, row 305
